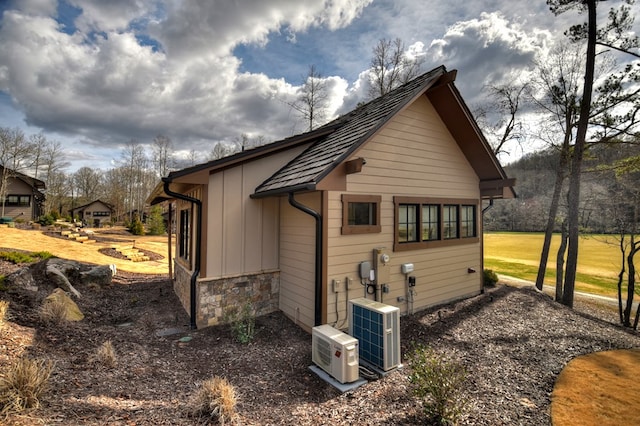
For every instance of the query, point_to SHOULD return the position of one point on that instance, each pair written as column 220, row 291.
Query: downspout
column 318, row 262
column 196, row 270
column 488, row 207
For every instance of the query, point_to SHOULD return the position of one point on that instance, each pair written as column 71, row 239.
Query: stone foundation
column 215, row 297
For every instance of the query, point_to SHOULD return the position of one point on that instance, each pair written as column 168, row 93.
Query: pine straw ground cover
column 512, row 341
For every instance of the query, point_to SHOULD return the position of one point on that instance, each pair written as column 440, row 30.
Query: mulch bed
column 512, row 341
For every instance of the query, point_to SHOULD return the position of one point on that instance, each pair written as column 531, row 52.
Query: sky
column 95, row 75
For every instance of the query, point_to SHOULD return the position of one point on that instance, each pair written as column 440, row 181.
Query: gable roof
column 353, row 129
column 333, row 143
column 83, row 207
column 308, row 169
column 33, row 182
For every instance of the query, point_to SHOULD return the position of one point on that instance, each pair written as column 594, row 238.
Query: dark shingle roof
column 352, row 130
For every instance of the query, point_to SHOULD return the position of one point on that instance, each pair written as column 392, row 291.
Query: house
column 396, row 186
column 23, row 196
column 94, row 214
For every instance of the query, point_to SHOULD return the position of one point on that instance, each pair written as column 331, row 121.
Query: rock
column 100, row 275
column 59, row 277
column 72, row 311
column 23, row 278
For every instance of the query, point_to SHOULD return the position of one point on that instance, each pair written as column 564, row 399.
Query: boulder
column 72, row 311
column 23, row 278
column 100, row 275
column 56, row 273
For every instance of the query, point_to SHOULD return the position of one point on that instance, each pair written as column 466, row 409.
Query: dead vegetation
column 512, row 342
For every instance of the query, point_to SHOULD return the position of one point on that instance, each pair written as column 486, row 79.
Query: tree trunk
column 576, row 163
column 621, row 277
column 560, row 262
column 631, row 283
column 553, row 212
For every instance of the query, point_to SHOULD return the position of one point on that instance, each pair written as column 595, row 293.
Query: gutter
column 318, row 261
column 196, row 270
column 489, row 207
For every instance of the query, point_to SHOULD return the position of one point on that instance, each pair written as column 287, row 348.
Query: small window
column 360, row 214
column 183, row 238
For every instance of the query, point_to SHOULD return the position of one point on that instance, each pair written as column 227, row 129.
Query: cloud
column 491, row 50
column 104, row 84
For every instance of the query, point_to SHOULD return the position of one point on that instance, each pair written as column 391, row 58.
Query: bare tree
column 162, row 155
column 499, row 118
column 87, row 183
column 311, row 103
column 391, row 67
column 134, row 164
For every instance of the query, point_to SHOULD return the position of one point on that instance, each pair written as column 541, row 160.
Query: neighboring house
column 397, row 185
column 94, row 214
column 23, row 195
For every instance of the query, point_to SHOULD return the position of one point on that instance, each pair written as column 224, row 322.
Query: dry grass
column 4, row 308
column 53, row 312
column 23, row 383
column 105, row 355
column 216, row 399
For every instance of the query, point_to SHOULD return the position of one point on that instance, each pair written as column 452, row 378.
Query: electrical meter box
column 382, row 265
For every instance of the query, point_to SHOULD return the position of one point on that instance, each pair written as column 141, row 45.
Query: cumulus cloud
column 104, row 84
column 491, row 50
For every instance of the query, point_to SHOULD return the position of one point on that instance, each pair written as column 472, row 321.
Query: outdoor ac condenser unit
column 335, row 352
column 377, row 328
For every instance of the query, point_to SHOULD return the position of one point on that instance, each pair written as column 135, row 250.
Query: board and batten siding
column 297, row 259
column 414, row 155
column 242, row 233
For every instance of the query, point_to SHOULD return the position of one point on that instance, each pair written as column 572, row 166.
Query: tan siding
column 233, row 223
column 414, row 155
column 215, row 226
column 243, row 233
column 297, row 259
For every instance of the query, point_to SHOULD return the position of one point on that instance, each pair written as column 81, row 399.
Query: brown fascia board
column 461, row 124
column 187, row 175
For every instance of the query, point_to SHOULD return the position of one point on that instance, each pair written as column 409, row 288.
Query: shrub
column 242, row 322
column 489, row 277
column 439, row 382
column 46, row 220
column 22, row 385
column 155, row 222
column 21, row 257
column 217, row 400
column 105, row 355
column 53, row 312
column 136, row 227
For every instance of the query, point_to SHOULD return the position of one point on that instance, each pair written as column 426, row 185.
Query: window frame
column 441, row 204
column 21, row 200
column 348, row 229
column 184, row 236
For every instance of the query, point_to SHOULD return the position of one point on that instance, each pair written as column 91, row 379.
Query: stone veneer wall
column 215, row 296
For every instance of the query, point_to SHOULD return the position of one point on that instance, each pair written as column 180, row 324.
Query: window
column 450, row 221
column 101, row 214
column 425, row 222
column 185, row 230
column 430, row 222
column 407, row 223
column 360, row 214
column 467, row 221
column 18, row 200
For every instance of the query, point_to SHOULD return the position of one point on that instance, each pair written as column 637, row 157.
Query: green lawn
column 518, row 255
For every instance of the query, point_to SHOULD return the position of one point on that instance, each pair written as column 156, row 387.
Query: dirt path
column 36, row 240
